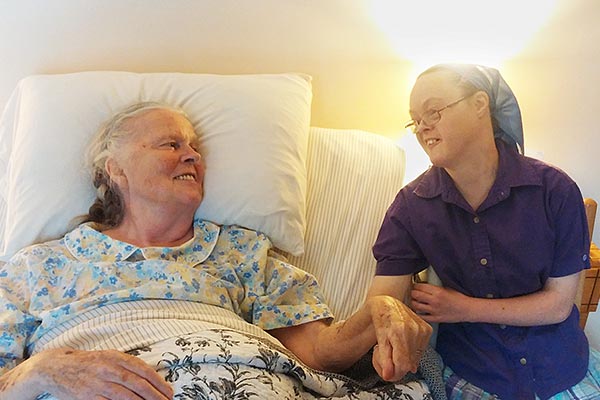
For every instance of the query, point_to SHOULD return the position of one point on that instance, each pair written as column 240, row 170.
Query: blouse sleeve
column 292, row 297
column 277, row 294
column 16, row 325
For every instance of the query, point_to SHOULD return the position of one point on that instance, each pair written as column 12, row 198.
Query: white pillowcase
column 353, row 177
column 253, row 129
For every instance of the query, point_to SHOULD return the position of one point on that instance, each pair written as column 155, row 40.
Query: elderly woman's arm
column 400, row 334
column 82, row 375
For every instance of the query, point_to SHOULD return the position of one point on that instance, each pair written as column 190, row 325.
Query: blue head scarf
column 504, row 109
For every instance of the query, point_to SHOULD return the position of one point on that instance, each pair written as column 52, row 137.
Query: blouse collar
column 88, row 244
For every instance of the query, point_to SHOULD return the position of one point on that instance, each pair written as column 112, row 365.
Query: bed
column 319, row 194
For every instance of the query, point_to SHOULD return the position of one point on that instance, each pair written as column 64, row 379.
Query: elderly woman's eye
column 172, row 144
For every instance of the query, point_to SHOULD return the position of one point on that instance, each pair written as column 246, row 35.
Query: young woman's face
column 446, row 140
column 159, row 163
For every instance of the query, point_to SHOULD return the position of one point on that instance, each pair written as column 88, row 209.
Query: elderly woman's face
column 159, row 165
column 456, row 121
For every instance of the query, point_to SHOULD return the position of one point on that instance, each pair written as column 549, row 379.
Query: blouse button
column 476, row 220
column 585, row 257
column 489, row 296
column 502, row 326
column 523, row 361
column 483, row 261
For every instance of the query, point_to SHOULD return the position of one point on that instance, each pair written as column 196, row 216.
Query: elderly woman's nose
column 191, row 155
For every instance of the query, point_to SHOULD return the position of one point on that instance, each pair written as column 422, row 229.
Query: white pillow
column 253, row 128
column 353, row 177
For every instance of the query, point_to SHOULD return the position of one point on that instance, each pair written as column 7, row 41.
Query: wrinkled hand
column 402, row 337
column 438, row 304
column 84, row 375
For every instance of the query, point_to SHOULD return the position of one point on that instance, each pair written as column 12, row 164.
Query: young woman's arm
column 551, row 305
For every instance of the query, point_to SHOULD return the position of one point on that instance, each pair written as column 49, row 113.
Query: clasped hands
column 402, row 337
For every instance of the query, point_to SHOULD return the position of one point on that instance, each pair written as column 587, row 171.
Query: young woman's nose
column 422, row 126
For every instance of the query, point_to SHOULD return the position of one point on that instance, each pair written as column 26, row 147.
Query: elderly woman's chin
column 192, row 197
column 196, row 199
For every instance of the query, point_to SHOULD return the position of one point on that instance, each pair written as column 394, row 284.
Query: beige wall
column 359, row 80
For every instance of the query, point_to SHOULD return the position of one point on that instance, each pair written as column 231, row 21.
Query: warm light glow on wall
column 427, row 32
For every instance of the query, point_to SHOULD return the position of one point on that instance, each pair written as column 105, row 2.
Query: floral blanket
column 227, row 364
column 207, row 352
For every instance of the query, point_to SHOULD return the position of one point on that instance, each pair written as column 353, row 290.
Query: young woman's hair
column 108, row 208
column 466, row 87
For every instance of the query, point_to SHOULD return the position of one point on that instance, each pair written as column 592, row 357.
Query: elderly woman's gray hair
column 108, row 207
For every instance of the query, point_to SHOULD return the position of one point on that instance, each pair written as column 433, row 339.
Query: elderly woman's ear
column 115, row 172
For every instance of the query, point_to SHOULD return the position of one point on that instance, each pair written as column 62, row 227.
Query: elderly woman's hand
column 83, row 375
column 402, row 337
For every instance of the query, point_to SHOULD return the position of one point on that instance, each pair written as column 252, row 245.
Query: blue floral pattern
column 229, row 266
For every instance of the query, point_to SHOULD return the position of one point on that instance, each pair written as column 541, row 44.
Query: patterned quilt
column 226, row 364
column 207, row 352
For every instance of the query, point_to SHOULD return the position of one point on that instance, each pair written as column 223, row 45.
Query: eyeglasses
column 432, row 117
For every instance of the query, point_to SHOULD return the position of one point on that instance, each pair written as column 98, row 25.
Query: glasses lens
column 431, row 118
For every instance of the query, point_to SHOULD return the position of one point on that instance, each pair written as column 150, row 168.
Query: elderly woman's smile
column 186, row 177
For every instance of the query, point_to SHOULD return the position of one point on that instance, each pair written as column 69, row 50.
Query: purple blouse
column 532, row 226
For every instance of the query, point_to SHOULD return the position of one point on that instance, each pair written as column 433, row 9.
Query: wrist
column 471, row 307
column 20, row 383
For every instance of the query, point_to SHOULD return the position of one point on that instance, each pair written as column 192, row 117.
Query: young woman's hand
column 439, row 304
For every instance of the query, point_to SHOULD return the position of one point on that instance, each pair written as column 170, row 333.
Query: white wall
column 359, row 81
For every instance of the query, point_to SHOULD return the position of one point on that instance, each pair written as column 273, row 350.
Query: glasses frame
column 434, row 116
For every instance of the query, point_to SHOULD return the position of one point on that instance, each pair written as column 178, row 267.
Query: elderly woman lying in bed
column 97, row 313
